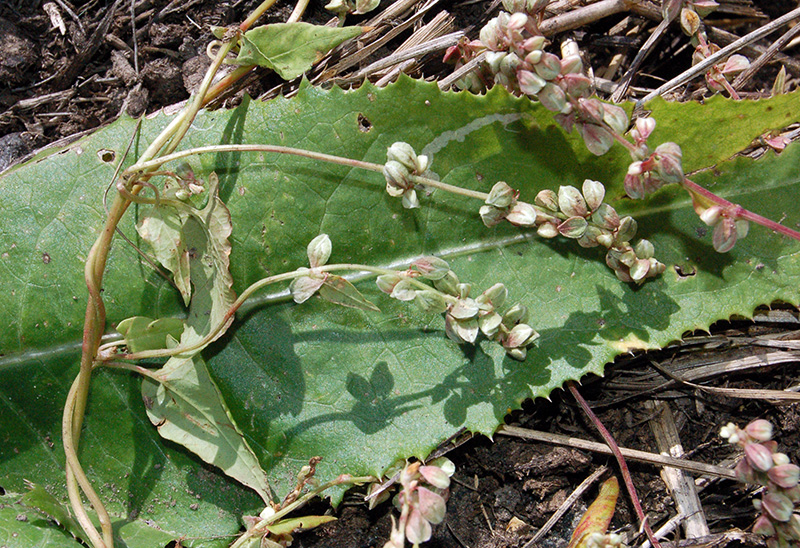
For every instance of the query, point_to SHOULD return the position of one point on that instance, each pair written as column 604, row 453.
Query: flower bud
column 467, row 330
column 643, row 127
column 403, row 153
column 520, row 336
column 605, row 239
column 777, row 506
column 534, row 55
column 514, row 315
column 644, row 249
column 430, row 301
column 577, row 85
column 403, row 291
column 593, row 192
column 431, row 505
column 615, row 117
column 690, row 21
column 669, row 165
column 522, row 214
column 490, row 323
column 552, row 98
column 710, row 215
column 547, row 199
column 492, row 298
column 597, row 138
column 591, row 110
column 570, row 47
column 780, row 458
column 491, row 215
column 418, row 530
column 759, row 457
column 517, row 21
column 763, row 526
column 319, row 250
column 606, row 217
column 759, row 430
column 396, row 175
column 493, row 59
column 548, row 67
column 466, row 308
column 730, row 432
column 589, row 237
column 410, row 200
column 627, row 229
column 573, row 227
column 448, row 284
column 785, row 475
column 529, row 83
column 431, row 268
column 571, row 65
column 571, row 202
column 501, row 195
column 547, row 230
column 386, row 282
column 510, row 64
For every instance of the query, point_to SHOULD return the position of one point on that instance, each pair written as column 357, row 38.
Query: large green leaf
column 358, row 388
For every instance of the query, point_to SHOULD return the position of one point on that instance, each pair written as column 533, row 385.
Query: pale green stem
column 142, row 166
column 218, row 329
column 197, row 101
column 262, row 527
column 298, row 11
column 255, row 14
column 77, row 480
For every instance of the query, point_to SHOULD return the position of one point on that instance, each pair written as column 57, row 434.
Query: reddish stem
column 623, row 466
column 737, row 211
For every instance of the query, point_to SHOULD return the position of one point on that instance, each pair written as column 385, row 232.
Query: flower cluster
column 318, row 251
column 464, row 317
column 421, row 501
column 402, row 162
column 764, row 465
column 651, row 170
column 717, row 76
column 502, row 204
column 592, row 222
column 728, row 227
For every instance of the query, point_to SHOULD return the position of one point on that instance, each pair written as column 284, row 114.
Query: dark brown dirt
column 55, row 85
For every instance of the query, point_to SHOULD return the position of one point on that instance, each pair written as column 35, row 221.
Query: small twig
column 566, row 505
column 584, row 15
column 701, row 67
column 468, row 67
column 622, row 86
column 623, row 466
column 765, row 57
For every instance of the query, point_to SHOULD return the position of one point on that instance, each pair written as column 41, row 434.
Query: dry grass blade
column 632, row 454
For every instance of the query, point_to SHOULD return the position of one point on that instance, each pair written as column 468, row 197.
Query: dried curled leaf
column 187, row 407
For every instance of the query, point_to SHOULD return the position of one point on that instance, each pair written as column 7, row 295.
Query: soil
column 58, row 83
